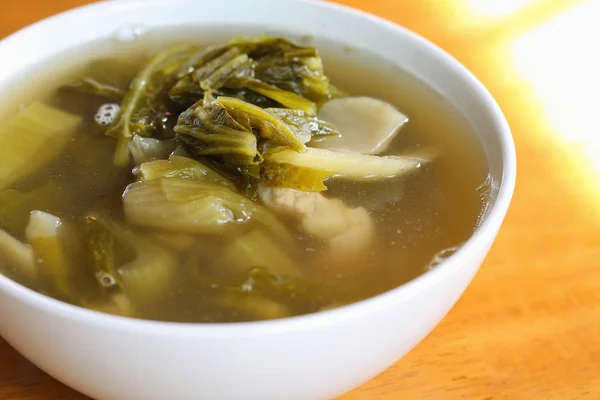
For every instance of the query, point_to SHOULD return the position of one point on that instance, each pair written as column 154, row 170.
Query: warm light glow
column 497, row 8
column 561, row 60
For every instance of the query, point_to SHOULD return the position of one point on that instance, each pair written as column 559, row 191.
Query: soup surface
column 222, row 217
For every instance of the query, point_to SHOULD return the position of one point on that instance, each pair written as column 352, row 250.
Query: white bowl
column 311, row 357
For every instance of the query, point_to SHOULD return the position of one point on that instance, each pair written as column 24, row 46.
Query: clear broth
column 417, row 217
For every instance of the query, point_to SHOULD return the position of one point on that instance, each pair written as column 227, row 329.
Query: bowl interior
column 417, row 56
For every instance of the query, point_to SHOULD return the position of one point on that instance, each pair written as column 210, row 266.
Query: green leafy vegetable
column 258, row 249
column 145, row 108
column 92, row 86
column 146, row 149
column 288, row 66
column 261, row 70
column 305, row 126
column 128, row 262
column 285, row 98
column 192, row 206
column 219, row 77
column 34, row 136
column 307, row 179
column 266, row 125
column 298, row 293
column 291, row 169
column 199, row 58
column 104, row 79
column 220, row 66
column 181, row 167
column 212, row 132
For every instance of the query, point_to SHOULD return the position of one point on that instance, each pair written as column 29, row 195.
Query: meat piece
column 348, row 231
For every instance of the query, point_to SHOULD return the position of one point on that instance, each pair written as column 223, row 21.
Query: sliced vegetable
column 31, row 138
column 258, row 249
column 18, row 254
column 44, row 235
column 211, row 132
column 221, row 76
column 286, row 175
column 299, row 168
column 181, row 167
column 92, row 86
column 145, row 149
column 105, row 77
column 202, row 74
column 367, row 125
column 191, row 206
column 199, row 58
column 266, row 125
column 283, row 97
column 287, row 66
column 128, row 262
column 256, row 69
column 301, row 295
column 144, row 110
column 307, row 127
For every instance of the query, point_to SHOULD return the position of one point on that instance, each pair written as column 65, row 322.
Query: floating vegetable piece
column 257, row 249
column 92, row 86
column 106, row 77
column 199, row 58
column 146, row 149
column 128, row 262
column 290, row 176
column 298, row 293
column 254, row 306
column 283, row 97
column 44, row 235
column 287, row 66
column 181, row 167
column 221, row 76
column 144, row 110
column 367, row 125
column 261, row 70
column 186, row 92
column 18, row 254
column 211, row 67
column 34, row 136
column 191, row 206
column 211, row 132
column 338, row 164
column 306, row 127
column 103, row 246
column 177, row 241
column 266, row 125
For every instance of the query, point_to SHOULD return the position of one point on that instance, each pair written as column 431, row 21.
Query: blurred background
column 528, row 326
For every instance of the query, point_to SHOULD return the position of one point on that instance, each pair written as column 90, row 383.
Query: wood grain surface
column 528, row 327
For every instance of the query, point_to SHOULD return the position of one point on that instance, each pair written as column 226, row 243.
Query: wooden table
column 528, row 327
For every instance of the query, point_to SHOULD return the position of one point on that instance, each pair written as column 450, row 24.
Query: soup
column 233, row 179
